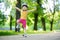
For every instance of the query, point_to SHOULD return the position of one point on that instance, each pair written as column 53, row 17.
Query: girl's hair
column 25, row 6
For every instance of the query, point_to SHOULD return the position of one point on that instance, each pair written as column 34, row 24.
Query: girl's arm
column 32, row 10
column 18, row 9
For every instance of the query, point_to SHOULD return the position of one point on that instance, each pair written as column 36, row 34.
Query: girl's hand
column 18, row 8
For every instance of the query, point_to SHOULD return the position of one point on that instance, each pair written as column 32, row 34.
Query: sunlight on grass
column 7, row 33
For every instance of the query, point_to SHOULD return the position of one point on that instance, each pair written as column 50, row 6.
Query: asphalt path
column 49, row 36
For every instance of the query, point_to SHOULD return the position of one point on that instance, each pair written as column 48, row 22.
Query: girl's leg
column 25, row 34
column 24, row 27
column 18, row 26
column 24, row 30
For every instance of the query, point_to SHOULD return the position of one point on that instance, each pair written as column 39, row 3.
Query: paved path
column 50, row 36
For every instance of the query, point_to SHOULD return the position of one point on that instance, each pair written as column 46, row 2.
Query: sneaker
column 24, row 35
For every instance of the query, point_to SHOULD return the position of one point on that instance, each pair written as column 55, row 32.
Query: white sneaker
column 24, row 35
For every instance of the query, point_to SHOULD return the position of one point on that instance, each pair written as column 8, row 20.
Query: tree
column 18, row 12
column 10, row 22
column 35, row 21
column 51, row 9
column 43, row 23
column 41, row 13
column 52, row 21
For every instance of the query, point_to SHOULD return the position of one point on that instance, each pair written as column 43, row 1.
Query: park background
column 46, row 17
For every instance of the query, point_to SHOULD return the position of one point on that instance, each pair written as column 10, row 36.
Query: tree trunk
column 51, row 22
column 35, row 21
column 52, row 18
column 43, row 23
column 3, row 20
column 10, row 22
column 17, row 12
column 36, row 17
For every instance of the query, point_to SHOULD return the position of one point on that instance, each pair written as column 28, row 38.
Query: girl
column 24, row 12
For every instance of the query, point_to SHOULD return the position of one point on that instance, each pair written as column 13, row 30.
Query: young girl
column 24, row 12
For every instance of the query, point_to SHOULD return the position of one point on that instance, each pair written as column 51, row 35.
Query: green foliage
column 32, row 4
column 2, row 18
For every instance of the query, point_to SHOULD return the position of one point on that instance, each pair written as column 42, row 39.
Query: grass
column 39, row 32
column 8, row 33
column 36, row 32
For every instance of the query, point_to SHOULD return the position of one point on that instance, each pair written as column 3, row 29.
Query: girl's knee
column 17, row 21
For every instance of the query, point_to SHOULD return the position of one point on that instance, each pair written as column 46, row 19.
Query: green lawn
column 4, row 33
column 7, row 33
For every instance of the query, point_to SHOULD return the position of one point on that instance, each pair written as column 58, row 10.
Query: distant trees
column 39, row 16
